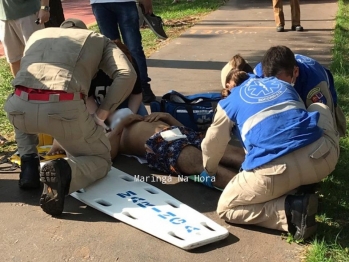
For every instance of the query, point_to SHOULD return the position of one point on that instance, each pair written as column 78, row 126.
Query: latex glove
column 99, row 121
column 206, row 179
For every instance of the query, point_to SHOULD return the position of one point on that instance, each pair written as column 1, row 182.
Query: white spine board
column 147, row 208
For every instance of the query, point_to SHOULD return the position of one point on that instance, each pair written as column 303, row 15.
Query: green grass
column 184, row 9
column 332, row 242
column 5, row 89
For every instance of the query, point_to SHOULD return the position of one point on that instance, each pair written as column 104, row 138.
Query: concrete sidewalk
column 190, row 63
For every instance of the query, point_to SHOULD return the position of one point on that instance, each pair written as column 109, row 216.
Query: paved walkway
column 190, row 63
column 80, row 9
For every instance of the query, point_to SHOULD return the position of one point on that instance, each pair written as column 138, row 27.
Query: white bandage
column 172, row 134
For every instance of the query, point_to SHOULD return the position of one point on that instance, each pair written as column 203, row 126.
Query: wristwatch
column 45, row 7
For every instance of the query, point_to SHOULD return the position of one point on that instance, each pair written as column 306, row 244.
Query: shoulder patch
column 312, row 92
column 318, row 97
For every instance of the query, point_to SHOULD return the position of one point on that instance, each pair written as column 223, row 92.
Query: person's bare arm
column 164, row 117
column 134, row 102
column 115, row 135
column 44, row 15
column 148, row 6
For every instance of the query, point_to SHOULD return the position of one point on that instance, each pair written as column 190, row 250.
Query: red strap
column 44, row 94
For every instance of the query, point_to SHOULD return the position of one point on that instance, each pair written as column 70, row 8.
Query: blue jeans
column 112, row 17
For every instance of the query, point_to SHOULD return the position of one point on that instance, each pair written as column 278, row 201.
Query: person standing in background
column 115, row 15
column 18, row 20
column 295, row 16
column 56, row 14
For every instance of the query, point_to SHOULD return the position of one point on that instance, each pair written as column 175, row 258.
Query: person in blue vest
column 286, row 146
column 313, row 82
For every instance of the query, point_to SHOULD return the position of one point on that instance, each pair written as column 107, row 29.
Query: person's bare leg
column 223, row 176
column 233, row 156
column 190, row 163
column 15, row 67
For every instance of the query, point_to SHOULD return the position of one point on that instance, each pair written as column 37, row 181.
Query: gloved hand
column 206, row 179
column 99, row 121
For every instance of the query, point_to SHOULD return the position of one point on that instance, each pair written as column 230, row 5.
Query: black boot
column 300, row 212
column 297, row 28
column 56, row 176
column 29, row 178
column 308, row 189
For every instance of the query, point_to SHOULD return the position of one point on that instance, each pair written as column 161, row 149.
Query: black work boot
column 280, row 29
column 29, row 178
column 308, row 189
column 297, row 28
column 300, row 212
column 56, row 176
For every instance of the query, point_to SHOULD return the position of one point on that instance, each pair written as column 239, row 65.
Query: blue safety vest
column 270, row 120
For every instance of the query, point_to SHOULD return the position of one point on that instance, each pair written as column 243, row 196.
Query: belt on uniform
column 45, row 94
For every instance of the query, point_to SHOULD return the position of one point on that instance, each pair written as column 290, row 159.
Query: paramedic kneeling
column 286, row 146
column 50, row 91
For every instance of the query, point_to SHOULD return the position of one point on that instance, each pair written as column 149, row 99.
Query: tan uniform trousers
column 87, row 147
column 279, row 13
column 258, row 196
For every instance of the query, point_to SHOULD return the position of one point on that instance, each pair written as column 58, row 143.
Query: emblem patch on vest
column 261, row 90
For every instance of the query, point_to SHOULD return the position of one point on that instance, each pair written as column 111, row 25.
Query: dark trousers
column 56, row 14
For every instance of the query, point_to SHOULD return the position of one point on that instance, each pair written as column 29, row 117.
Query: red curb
column 80, row 9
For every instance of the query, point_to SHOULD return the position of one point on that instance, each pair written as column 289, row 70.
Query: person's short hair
column 278, row 59
column 73, row 23
column 236, row 62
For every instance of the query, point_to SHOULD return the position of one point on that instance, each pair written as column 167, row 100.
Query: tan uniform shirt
column 216, row 140
column 67, row 59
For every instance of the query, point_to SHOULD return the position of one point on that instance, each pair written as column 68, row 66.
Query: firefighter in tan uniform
column 49, row 97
